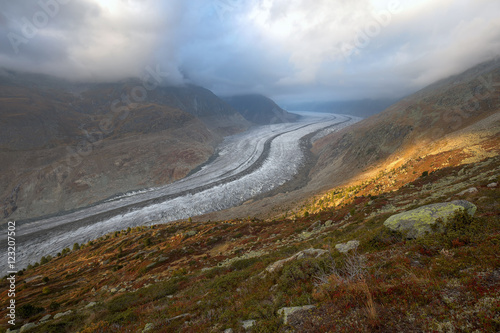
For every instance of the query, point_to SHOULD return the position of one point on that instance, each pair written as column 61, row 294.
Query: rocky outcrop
column 346, row 247
column 309, row 253
column 417, row 222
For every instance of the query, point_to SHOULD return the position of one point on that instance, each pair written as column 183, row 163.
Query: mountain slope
column 260, row 110
column 461, row 112
column 216, row 275
column 65, row 145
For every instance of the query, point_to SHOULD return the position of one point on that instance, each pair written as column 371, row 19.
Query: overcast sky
column 289, row 50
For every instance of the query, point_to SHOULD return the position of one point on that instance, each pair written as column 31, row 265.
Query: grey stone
column 161, row 258
column 229, row 330
column 468, row 191
column 287, row 313
column 248, row 323
column 190, row 233
column 328, row 223
column 27, row 327
column 492, row 185
column 315, row 225
column 309, row 253
column 346, row 247
column 90, row 305
column 45, row 318
column 417, row 222
column 62, row 314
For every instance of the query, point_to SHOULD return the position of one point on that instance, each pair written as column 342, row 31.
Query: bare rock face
column 417, row 222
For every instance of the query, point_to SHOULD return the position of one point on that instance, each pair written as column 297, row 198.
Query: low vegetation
column 213, row 276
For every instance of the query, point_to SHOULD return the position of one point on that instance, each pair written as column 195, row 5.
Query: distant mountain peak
column 260, row 109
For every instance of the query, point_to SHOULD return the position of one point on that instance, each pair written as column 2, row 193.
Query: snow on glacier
column 235, row 155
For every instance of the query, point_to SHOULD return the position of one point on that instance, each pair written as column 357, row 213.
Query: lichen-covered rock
column 287, row 313
column 248, row 323
column 417, row 222
column 346, row 247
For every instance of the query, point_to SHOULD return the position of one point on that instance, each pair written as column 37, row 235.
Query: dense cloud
column 292, row 50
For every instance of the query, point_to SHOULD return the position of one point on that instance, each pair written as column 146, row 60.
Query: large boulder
column 417, row 222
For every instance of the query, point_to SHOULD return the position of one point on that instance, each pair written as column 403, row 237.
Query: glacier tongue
column 242, row 170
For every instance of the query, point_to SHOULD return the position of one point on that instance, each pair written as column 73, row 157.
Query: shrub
column 101, row 326
column 243, row 263
column 54, row 306
column 76, row 247
column 126, row 316
column 228, row 282
column 459, row 230
column 44, row 260
column 28, row 310
column 385, row 237
column 299, row 272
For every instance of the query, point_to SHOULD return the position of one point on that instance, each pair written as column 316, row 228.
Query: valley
column 249, row 166
column 246, row 165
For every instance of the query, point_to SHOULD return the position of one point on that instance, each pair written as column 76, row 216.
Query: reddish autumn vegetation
column 213, row 276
